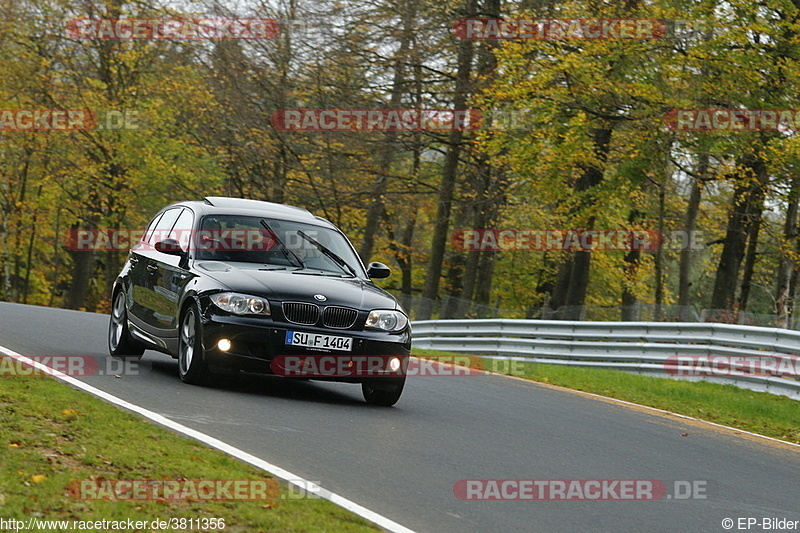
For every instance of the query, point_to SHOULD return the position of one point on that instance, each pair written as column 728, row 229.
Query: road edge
column 377, row 519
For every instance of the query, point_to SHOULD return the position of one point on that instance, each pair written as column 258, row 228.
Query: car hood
column 288, row 285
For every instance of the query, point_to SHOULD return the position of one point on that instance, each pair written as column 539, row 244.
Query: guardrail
column 746, row 356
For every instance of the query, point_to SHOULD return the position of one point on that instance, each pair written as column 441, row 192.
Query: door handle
column 152, row 268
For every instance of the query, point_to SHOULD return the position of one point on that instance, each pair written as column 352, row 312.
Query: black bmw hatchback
column 229, row 283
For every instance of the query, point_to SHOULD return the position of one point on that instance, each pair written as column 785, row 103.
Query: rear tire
column 120, row 342
column 192, row 365
column 383, row 391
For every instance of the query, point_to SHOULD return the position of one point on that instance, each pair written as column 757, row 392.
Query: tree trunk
column 793, row 281
column 558, row 296
column 5, row 259
column 690, row 226
column 750, row 259
column 659, row 257
column 455, row 261
column 29, row 253
column 285, row 53
column 495, row 184
column 449, row 174
column 630, row 303
column 82, row 270
column 748, row 198
column 377, row 206
column 581, row 260
column 484, row 285
column 401, row 249
column 784, row 300
column 406, row 266
column 479, row 265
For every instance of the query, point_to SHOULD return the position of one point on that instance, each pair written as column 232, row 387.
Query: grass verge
column 759, row 412
column 53, row 437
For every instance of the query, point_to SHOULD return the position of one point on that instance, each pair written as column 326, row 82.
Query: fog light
column 224, row 345
column 394, row 364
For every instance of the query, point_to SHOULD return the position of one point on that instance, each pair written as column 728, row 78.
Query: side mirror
column 170, row 247
column 378, row 270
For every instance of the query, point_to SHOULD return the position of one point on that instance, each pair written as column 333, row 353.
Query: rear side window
column 164, row 225
column 182, row 229
column 151, row 227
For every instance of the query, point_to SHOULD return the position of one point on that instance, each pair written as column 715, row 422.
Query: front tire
column 192, row 365
column 383, row 391
column 120, row 342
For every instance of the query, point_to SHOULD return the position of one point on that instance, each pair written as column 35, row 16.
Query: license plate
column 314, row 340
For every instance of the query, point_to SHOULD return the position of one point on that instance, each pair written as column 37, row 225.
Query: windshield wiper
column 288, row 253
column 329, row 254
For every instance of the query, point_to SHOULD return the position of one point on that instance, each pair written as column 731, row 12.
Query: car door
column 138, row 276
column 147, row 301
column 170, row 277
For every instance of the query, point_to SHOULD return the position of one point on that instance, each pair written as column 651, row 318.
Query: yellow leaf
column 38, row 478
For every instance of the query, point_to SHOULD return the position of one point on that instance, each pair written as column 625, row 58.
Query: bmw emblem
column 319, row 297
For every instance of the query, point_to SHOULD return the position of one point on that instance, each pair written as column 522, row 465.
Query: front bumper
column 258, row 344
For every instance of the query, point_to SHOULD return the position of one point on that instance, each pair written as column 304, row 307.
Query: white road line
column 275, row 470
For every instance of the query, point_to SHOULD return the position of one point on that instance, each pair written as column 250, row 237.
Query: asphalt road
column 403, row 462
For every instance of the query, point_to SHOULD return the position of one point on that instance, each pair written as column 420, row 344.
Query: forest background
column 578, row 134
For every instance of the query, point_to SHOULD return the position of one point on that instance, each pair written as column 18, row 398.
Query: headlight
column 386, row 320
column 240, row 304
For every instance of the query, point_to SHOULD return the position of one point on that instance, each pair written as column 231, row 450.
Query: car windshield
column 276, row 243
